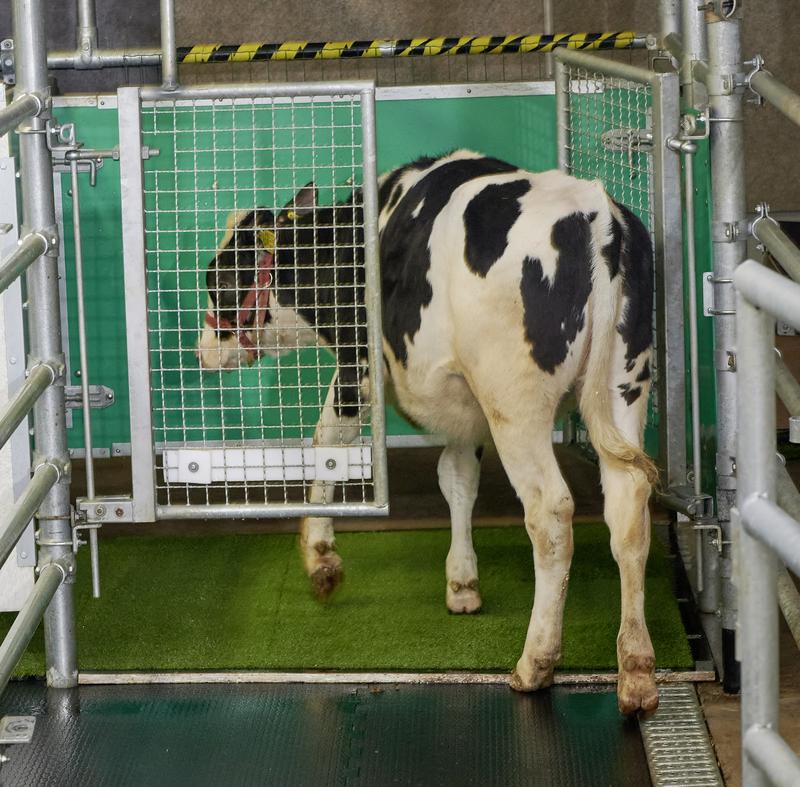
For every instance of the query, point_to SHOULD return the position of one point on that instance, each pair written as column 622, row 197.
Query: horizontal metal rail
column 267, row 510
column 783, row 98
column 372, row 48
column 769, row 291
column 610, row 68
column 770, row 752
column 24, row 106
column 27, row 621
column 772, row 526
column 249, row 91
column 44, row 478
column 28, row 250
column 18, row 408
column 778, row 244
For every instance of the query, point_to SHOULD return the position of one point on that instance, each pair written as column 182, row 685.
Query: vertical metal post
column 169, row 55
column 669, row 17
column 693, row 22
column 547, row 11
column 44, row 327
column 87, row 29
column 562, row 115
column 728, row 215
column 757, row 564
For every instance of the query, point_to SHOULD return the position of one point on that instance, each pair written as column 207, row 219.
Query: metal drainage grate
column 676, row 741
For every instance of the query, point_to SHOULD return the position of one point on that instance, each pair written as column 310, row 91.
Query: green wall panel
column 520, row 129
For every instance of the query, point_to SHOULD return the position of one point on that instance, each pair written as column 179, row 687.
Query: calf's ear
column 300, row 205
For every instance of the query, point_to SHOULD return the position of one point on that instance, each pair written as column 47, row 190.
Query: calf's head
column 248, row 315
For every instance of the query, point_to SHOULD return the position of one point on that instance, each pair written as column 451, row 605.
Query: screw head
column 193, row 467
column 100, row 511
column 330, row 464
column 119, row 512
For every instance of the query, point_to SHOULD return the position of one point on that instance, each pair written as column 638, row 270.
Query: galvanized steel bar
column 728, row 208
column 612, row 68
column 262, row 510
column 51, row 579
column 24, row 106
column 757, row 564
column 783, row 98
column 28, row 250
column 373, row 299
column 24, row 400
column 87, row 28
column 788, row 389
column 669, row 18
column 778, row 244
column 562, row 85
column 169, row 62
column 769, row 523
column 104, row 58
column 695, row 48
column 44, row 324
column 547, row 21
column 769, row 291
column 772, row 755
column 23, row 510
column 137, row 336
column 85, row 375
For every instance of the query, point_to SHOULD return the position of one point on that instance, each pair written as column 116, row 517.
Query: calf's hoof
column 463, row 599
column 636, row 686
column 533, row 674
column 324, row 568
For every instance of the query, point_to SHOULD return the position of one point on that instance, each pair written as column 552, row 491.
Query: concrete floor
column 416, row 502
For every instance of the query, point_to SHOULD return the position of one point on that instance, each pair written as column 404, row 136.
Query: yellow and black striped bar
column 407, row 47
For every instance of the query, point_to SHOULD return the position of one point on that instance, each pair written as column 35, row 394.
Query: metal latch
column 100, row 397
column 627, row 139
column 7, row 67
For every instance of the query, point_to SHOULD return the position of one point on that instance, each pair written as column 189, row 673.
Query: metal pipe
column 612, row 68
column 562, row 115
column 768, row 522
column 771, row 89
column 547, row 11
column 104, row 58
column 767, row 750
column 25, row 398
column 770, row 291
column 695, row 48
column 787, row 387
column 44, row 331
column 44, row 477
column 788, row 595
column 778, row 244
column 51, row 578
column 24, row 106
column 84, row 361
column 28, row 250
column 728, row 208
column 669, row 18
column 260, row 510
column 87, row 28
column 247, row 91
column 169, row 57
column 757, row 564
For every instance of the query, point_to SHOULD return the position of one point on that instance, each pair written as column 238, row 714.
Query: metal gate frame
column 145, row 507
column 667, row 236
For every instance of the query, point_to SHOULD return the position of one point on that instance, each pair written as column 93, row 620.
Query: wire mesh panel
column 259, row 243
column 607, row 126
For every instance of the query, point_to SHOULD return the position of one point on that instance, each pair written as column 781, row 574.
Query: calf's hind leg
column 338, row 425
column 459, row 472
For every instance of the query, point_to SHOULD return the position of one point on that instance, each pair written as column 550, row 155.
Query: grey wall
column 773, row 171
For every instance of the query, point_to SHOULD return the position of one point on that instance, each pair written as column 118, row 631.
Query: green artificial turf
column 243, row 602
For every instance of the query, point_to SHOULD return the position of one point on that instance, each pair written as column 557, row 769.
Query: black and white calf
column 502, row 291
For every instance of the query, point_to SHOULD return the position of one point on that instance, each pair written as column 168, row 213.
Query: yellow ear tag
column 291, row 215
column 267, row 239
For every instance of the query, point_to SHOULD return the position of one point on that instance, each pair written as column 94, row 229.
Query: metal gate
column 614, row 121
column 241, row 443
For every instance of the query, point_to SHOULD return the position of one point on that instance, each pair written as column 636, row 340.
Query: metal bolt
column 193, row 467
column 119, row 512
column 7, row 62
column 100, row 511
column 12, row 360
column 77, row 372
column 110, row 397
column 330, row 464
column 23, row 555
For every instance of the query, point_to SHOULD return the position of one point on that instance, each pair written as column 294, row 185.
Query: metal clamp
column 59, row 470
column 762, row 209
column 758, row 65
column 7, row 68
column 689, row 126
column 709, row 300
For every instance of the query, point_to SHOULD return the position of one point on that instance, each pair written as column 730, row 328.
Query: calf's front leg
column 339, row 424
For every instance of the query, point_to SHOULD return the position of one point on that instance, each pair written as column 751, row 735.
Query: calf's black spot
column 611, row 250
column 488, row 220
column 554, row 312
column 405, row 256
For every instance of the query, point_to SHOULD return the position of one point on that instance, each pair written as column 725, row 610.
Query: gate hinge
column 110, row 508
column 7, row 67
column 100, row 396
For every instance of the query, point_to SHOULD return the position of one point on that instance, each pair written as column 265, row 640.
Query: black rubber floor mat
column 320, row 735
